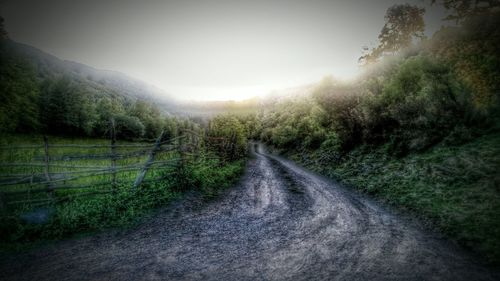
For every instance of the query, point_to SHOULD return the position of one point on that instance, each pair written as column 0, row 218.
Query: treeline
column 444, row 89
column 34, row 100
column 419, row 130
column 40, row 97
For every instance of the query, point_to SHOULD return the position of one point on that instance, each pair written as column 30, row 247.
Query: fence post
column 31, row 186
column 232, row 147
column 206, row 141
column 181, row 149
column 113, row 153
column 47, row 172
column 196, row 147
column 224, row 151
column 181, row 166
column 144, row 170
column 3, row 206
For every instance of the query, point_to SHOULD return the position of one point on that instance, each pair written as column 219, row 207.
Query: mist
column 209, row 50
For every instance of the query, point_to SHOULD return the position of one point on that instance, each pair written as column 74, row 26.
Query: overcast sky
column 223, row 49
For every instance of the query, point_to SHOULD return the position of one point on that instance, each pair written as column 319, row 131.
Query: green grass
column 211, row 177
column 91, row 213
column 456, row 188
column 36, row 155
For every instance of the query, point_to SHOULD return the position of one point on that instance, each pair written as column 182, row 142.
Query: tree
column 128, row 127
column 403, row 24
column 420, row 104
column 3, row 32
column 227, row 137
column 106, row 108
column 472, row 52
column 19, row 94
column 462, row 9
column 150, row 116
column 66, row 108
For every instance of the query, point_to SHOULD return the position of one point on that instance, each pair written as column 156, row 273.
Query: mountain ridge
column 108, row 81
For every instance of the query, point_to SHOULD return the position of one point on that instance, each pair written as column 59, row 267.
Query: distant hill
column 207, row 109
column 116, row 85
column 41, row 93
column 102, row 81
column 242, row 107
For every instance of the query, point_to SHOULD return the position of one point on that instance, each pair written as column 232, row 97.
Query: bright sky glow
column 207, row 50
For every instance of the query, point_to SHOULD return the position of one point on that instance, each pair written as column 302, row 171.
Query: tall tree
column 3, row 32
column 461, row 9
column 403, row 24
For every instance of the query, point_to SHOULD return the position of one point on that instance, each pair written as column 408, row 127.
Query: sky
column 208, row 50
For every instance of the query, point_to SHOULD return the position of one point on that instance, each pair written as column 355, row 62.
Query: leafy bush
column 126, row 206
column 227, row 136
column 418, row 129
column 210, row 178
column 452, row 187
column 419, row 105
column 472, row 52
column 128, row 127
column 294, row 124
column 340, row 103
column 19, row 93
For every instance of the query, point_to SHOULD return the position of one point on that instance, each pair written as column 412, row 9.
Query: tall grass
column 62, row 163
column 89, row 213
column 453, row 187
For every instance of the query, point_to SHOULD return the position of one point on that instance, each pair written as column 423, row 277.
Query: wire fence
column 55, row 173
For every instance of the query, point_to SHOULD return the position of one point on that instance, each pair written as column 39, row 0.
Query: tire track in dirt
column 281, row 222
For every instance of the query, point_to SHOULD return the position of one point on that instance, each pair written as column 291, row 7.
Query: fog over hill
column 101, row 81
column 114, row 83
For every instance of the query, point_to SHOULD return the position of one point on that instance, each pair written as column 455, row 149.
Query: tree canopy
column 462, row 9
column 3, row 32
column 403, row 24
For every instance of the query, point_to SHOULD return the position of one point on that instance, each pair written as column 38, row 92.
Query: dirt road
column 280, row 223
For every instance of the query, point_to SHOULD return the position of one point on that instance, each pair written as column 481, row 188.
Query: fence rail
column 55, row 172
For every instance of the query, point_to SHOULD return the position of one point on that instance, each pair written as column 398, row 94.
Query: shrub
column 472, row 52
column 341, row 105
column 227, row 136
column 128, row 127
column 418, row 106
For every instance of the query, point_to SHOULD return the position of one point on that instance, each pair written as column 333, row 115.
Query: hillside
column 419, row 130
column 44, row 94
column 104, row 81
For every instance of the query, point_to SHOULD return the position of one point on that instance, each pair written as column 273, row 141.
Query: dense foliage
column 125, row 207
column 403, row 24
column 447, row 89
column 227, row 135
column 201, row 165
column 39, row 95
column 419, row 129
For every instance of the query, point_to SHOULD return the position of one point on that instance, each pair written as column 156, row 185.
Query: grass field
column 77, row 213
column 74, row 162
column 456, row 188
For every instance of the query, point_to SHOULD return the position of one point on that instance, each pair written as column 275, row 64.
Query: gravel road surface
column 281, row 222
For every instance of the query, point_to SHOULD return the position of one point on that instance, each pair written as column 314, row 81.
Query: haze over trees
column 404, row 24
column 79, row 108
column 463, row 9
column 418, row 129
column 423, row 106
column 43, row 94
column 3, row 32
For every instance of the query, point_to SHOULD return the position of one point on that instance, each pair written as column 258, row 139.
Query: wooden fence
column 56, row 173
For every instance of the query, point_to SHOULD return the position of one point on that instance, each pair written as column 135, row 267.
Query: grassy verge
column 456, row 188
column 122, row 208
column 211, row 177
